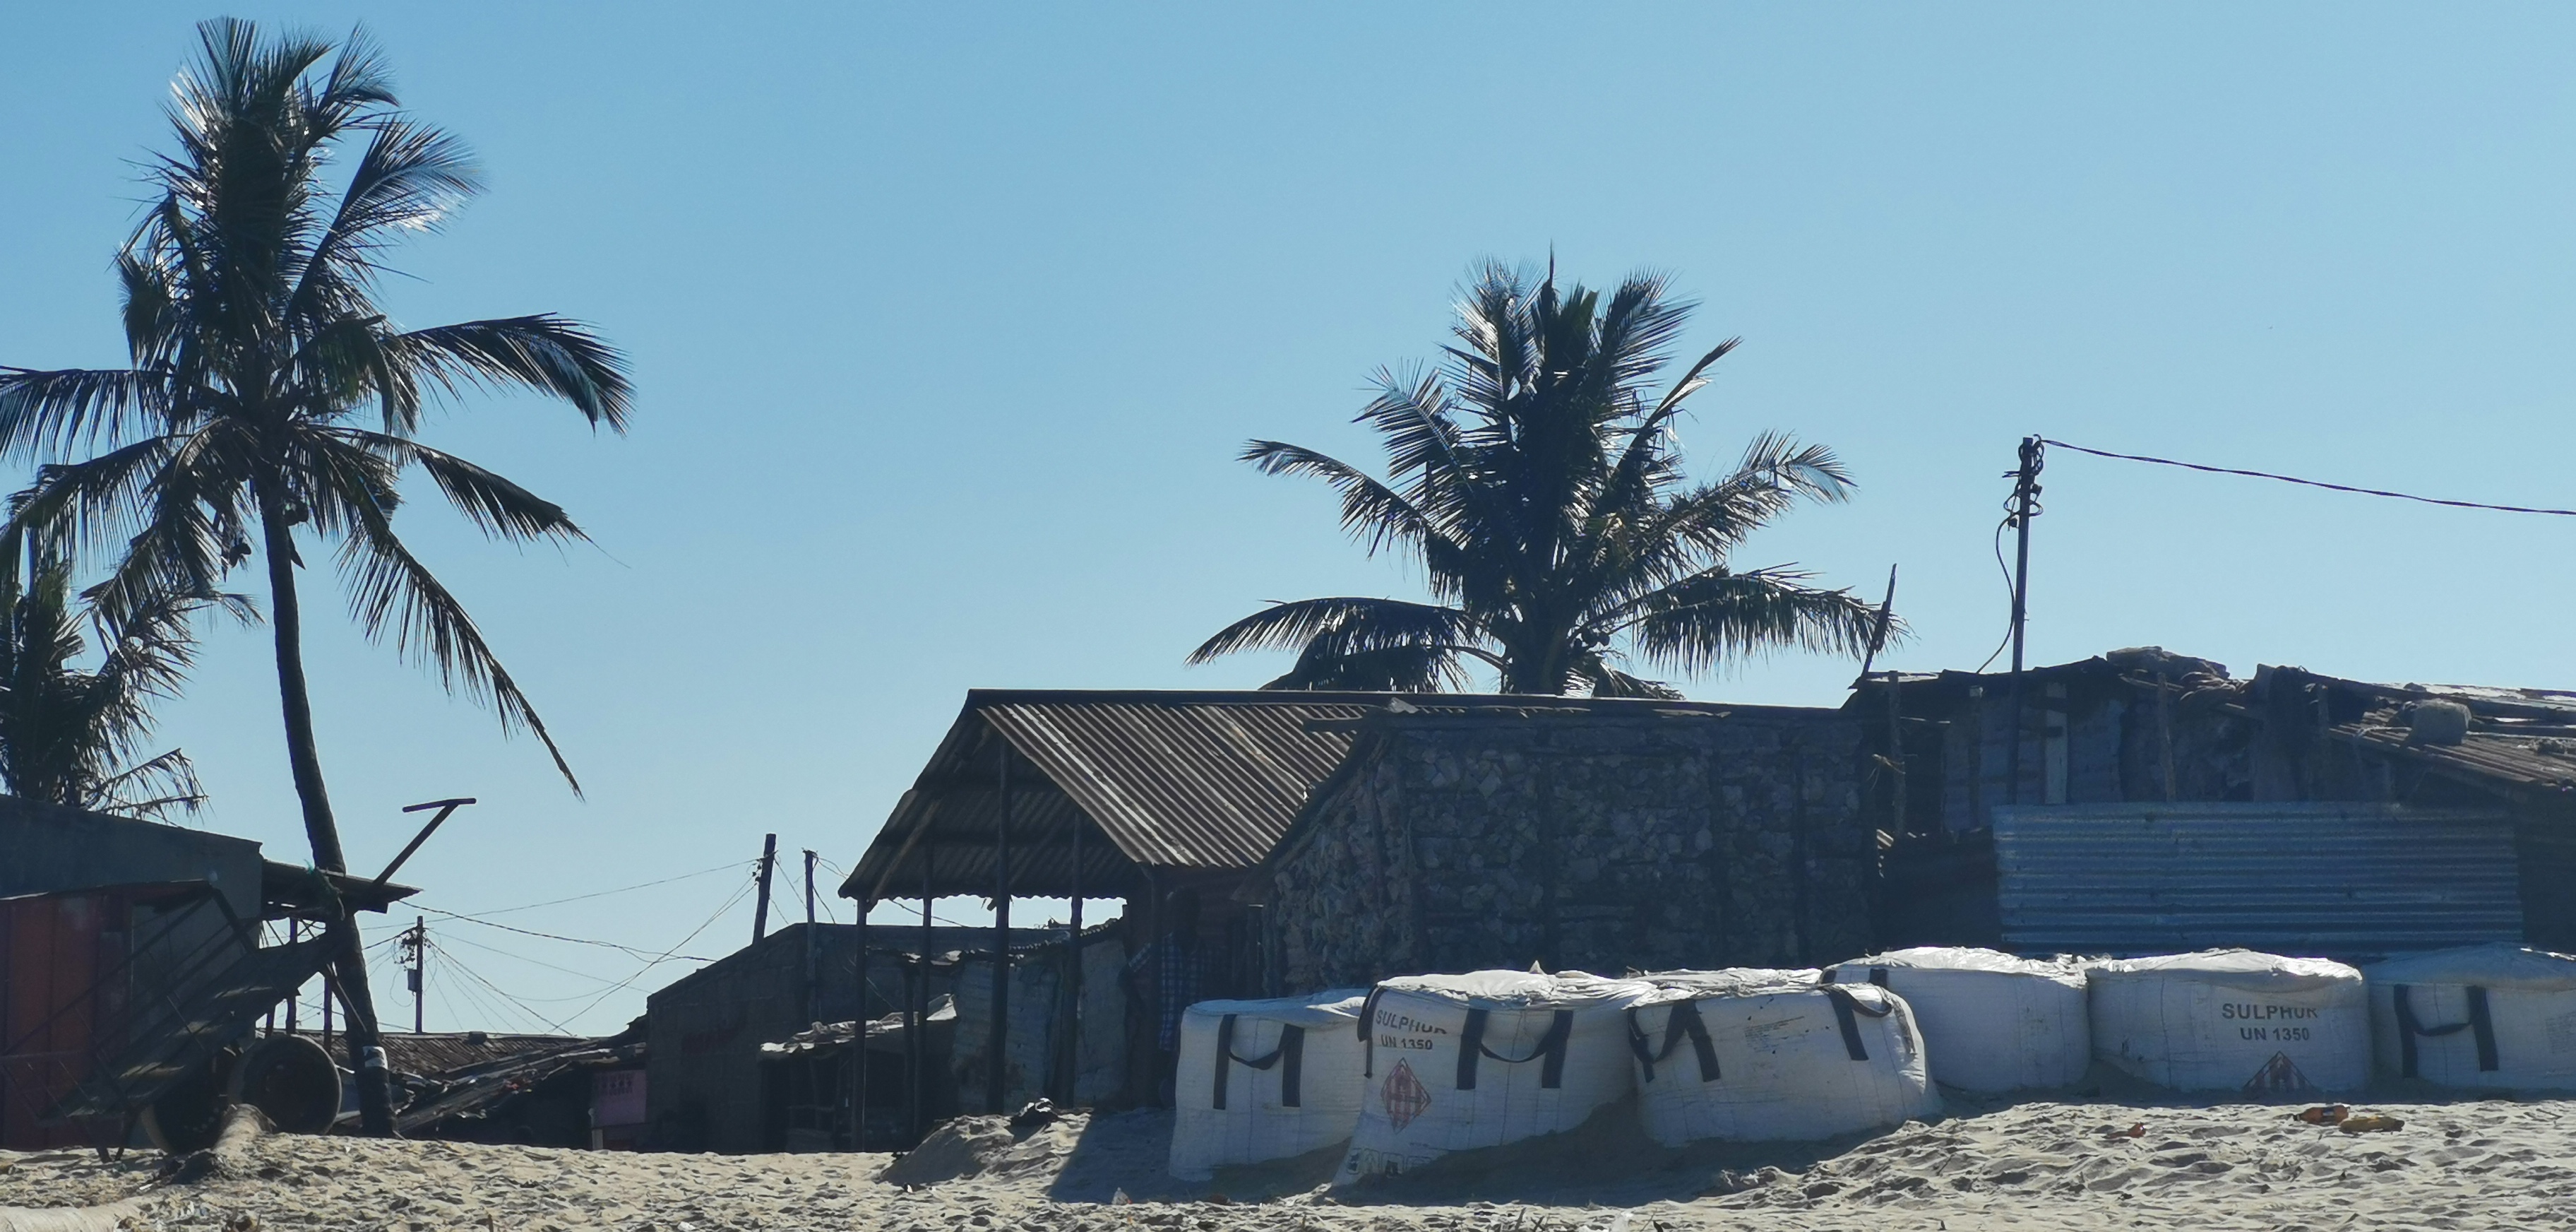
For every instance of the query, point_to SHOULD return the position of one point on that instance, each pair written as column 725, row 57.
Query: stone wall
column 1704, row 837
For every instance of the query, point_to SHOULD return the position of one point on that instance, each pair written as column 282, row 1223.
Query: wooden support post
column 2164, row 732
column 859, row 1080
column 1896, row 757
column 293, row 999
column 920, row 1048
column 768, row 865
column 1073, row 976
column 995, row 1089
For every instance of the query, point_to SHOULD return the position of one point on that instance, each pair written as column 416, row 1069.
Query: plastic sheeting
column 1263, row 1080
column 2500, row 1016
column 2233, row 1020
column 1454, row 1062
column 1990, row 1021
column 1753, row 1055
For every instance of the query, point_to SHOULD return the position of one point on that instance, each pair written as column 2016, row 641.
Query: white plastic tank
column 1264, row 1080
column 1991, row 1021
column 1757, row 1055
column 2259, row 1024
column 2500, row 1016
column 1455, row 1062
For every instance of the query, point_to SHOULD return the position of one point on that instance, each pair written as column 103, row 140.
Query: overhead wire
column 2312, row 483
column 628, row 950
column 460, row 966
column 643, row 885
column 666, row 955
column 538, row 962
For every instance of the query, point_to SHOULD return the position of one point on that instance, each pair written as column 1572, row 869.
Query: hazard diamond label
column 2279, row 1076
column 1404, row 1095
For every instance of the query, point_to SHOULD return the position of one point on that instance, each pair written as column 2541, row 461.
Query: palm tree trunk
column 286, row 617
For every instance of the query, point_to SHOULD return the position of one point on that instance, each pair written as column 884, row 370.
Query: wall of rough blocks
column 1581, row 842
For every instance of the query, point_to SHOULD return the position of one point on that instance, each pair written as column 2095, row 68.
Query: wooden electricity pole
column 2025, row 506
column 768, row 866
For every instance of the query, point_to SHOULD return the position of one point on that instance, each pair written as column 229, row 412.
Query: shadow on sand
column 1609, row 1160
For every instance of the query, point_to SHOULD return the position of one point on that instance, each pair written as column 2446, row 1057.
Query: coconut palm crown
column 76, row 736
column 1535, row 476
column 272, row 403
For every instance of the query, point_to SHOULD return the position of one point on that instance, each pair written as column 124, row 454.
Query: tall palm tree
column 1536, row 477
column 269, row 393
column 76, row 737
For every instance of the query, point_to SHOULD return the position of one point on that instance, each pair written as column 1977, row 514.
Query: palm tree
column 1536, row 477
column 73, row 737
column 269, row 394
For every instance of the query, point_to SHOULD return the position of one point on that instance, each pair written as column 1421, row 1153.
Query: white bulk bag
column 1454, row 1062
column 2233, row 1020
column 1761, row 1056
column 1990, row 1021
column 1263, row 1080
column 2498, row 1015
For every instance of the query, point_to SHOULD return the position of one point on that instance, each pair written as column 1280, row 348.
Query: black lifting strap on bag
column 1289, row 1056
column 1877, row 975
column 1551, row 1047
column 1684, row 1022
column 2409, row 1026
column 1845, row 1006
column 1368, row 1042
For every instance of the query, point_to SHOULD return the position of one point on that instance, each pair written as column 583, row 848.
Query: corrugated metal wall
column 2330, row 880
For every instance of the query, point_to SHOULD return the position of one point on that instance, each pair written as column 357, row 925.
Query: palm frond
column 391, row 593
column 1372, row 512
column 150, row 790
column 544, row 353
column 409, row 179
column 1594, row 673
column 1376, row 623
column 1717, row 616
column 65, row 410
column 496, row 505
column 1325, row 664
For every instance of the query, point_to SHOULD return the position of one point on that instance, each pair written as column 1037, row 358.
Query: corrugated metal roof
column 2523, row 764
column 1191, row 781
column 1184, row 782
column 1197, row 784
column 2331, row 880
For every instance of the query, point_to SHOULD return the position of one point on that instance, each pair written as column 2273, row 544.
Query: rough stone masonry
column 1643, row 837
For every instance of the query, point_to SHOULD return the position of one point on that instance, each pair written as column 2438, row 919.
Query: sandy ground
column 2465, row 1164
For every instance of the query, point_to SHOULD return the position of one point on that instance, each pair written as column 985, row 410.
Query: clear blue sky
column 949, row 320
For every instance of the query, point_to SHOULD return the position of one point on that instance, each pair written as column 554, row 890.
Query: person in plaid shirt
column 1184, row 973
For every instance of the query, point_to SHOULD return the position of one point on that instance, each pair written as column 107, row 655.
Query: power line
column 2315, row 483
column 517, row 957
column 646, row 885
column 666, row 955
column 628, row 950
column 496, row 990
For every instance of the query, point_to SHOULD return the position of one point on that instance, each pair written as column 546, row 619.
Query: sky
column 948, row 322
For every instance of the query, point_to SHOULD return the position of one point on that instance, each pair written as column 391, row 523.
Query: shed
column 121, row 941
column 2174, row 754
column 1081, row 794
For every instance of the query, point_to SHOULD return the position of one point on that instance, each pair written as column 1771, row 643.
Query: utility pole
column 415, row 961
column 768, row 866
column 813, row 955
column 2025, row 506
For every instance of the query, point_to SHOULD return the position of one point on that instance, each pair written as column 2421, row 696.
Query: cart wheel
column 292, row 1080
column 187, row 1116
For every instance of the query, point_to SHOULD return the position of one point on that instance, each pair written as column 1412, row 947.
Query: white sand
column 2467, row 1164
